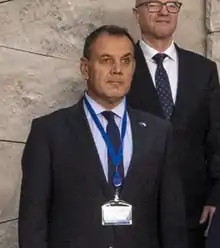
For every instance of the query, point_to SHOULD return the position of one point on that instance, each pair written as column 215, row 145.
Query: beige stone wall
column 40, row 47
column 213, row 27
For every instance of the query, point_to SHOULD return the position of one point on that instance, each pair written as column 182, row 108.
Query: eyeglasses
column 156, row 6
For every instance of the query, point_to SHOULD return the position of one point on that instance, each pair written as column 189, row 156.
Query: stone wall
column 213, row 27
column 40, row 46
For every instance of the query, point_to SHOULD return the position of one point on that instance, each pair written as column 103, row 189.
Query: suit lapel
column 80, row 130
column 143, row 77
column 183, row 89
column 132, row 180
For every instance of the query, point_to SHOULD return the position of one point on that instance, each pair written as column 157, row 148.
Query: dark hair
column 109, row 29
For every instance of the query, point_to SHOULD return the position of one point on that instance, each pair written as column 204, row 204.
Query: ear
column 84, row 67
column 136, row 14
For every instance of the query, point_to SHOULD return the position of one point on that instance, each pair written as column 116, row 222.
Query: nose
column 116, row 68
column 164, row 10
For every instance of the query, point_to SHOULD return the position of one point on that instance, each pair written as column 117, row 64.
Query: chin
column 163, row 35
column 114, row 98
column 116, row 92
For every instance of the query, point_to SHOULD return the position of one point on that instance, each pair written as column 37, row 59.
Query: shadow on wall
column 5, row 1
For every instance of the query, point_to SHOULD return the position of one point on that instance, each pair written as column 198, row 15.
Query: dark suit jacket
column 194, row 124
column 64, row 187
column 213, row 240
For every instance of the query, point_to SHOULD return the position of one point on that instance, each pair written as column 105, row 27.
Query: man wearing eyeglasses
column 180, row 86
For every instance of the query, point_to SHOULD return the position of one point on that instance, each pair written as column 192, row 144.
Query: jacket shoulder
column 55, row 114
column 54, row 118
column 193, row 56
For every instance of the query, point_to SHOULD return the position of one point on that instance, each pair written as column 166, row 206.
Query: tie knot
column 109, row 115
column 159, row 58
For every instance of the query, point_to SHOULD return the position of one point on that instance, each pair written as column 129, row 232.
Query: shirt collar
column 98, row 109
column 149, row 51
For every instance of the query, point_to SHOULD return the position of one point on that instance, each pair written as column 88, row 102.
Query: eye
column 106, row 60
column 126, row 60
column 172, row 5
column 152, row 5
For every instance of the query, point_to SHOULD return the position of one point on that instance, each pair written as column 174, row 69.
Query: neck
column 107, row 104
column 160, row 45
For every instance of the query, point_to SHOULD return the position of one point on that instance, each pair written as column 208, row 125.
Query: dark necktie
column 163, row 86
column 115, row 139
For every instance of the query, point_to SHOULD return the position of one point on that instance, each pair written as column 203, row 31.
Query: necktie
column 115, row 139
column 163, row 86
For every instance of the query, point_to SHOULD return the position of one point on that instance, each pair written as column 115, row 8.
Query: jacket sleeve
column 35, row 189
column 213, row 138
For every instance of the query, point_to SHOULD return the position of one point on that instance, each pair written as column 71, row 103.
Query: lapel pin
column 143, row 124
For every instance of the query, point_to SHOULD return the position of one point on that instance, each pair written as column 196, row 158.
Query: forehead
column 117, row 45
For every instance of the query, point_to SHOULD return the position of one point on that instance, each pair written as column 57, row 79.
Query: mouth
column 163, row 21
column 114, row 82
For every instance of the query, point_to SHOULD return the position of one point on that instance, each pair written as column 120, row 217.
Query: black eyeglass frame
column 178, row 4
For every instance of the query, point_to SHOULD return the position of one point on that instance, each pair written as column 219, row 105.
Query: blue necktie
column 163, row 86
column 115, row 139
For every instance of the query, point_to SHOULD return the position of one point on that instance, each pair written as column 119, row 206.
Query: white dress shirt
column 97, row 136
column 170, row 64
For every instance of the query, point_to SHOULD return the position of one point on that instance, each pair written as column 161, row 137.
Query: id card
column 116, row 213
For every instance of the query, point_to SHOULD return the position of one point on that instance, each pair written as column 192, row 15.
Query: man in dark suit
column 67, row 167
column 180, row 86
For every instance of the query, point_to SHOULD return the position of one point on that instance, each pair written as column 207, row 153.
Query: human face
column 157, row 25
column 109, row 69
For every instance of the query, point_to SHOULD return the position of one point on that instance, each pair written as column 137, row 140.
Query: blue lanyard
column 115, row 157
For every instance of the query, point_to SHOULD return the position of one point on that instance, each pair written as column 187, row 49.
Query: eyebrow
column 105, row 55
column 109, row 55
column 127, row 54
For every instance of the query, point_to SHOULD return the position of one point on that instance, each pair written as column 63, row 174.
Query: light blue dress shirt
column 97, row 136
